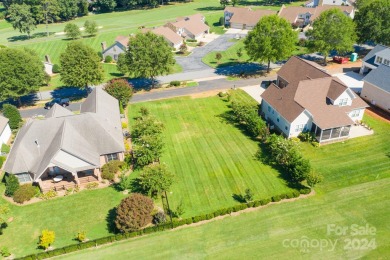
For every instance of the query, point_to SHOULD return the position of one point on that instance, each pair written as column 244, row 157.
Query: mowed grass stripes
column 211, row 158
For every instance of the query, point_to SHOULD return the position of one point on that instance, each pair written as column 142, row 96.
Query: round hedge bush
column 25, row 193
column 55, row 69
column 108, row 59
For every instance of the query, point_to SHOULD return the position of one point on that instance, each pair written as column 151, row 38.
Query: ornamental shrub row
column 162, row 227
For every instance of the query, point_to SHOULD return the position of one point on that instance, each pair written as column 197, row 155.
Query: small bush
column 11, row 185
column 25, row 193
column 110, row 169
column 305, row 191
column 191, row 40
column 46, row 239
column 302, row 42
column 56, row 69
column 315, row 144
column 5, row 149
column 108, row 59
column 2, row 160
column 222, row 94
column 124, row 125
column 5, row 251
column 12, row 113
column 159, row 218
column 81, row 236
column 289, row 195
column 48, row 195
column 265, row 201
column 175, row 83
column 189, row 221
column 91, row 185
column 295, row 193
column 276, row 198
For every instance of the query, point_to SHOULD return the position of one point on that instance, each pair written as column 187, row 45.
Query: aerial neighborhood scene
column 194, row 129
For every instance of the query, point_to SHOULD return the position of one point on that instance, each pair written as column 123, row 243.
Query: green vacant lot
column 354, row 192
column 212, row 159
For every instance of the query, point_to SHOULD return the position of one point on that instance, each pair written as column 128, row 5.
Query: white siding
column 6, row 134
column 357, row 114
column 344, row 95
column 303, row 119
column 334, row 2
column 376, row 96
column 273, row 115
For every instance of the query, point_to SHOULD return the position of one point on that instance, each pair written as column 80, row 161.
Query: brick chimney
column 47, row 59
column 104, row 46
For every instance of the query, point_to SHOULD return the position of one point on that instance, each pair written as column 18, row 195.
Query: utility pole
column 169, row 210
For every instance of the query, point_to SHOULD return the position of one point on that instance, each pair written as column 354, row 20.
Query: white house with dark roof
column 306, row 98
column 376, row 87
column 5, row 130
column 71, row 147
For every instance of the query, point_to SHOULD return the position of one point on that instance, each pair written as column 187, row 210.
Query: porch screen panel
column 336, row 132
column 326, row 134
column 345, row 130
column 318, row 133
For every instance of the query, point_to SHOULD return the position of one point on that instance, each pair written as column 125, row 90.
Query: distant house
column 376, row 88
column 118, row 47
column 243, row 17
column 303, row 16
column 192, row 27
column 315, row 3
column 69, row 147
column 174, row 40
column 5, row 130
column 306, row 98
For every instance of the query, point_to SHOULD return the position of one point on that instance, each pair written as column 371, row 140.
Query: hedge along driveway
column 211, row 158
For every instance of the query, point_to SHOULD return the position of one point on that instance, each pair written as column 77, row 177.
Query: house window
column 269, row 108
column 299, row 128
column 111, row 157
column 23, row 177
column 386, row 62
column 343, row 102
column 286, row 127
column 278, row 118
column 378, row 59
column 355, row 113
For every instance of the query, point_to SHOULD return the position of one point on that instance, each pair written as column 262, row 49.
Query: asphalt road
column 204, row 86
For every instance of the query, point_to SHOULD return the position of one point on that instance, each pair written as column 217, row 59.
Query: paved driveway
column 254, row 91
column 194, row 62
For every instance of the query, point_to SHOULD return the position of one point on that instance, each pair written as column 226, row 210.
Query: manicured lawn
column 87, row 210
column 212, row 159
column 354, row 191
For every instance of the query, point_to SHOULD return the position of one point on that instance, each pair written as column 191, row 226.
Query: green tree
column 147, row 149
column 248, row 197
column 106, row 5
column 120, row 89
column 148, row 56
column 332, row 30
column 223, row 2
column 13, row 115
column 46, row 239
column 68, row 9
column 373, row 22
column 134, row 212
column 21, row 73
column 146, row 125
column 72, row 31
column 271, row 40
column 155, row 179
column 90, row 27
column 51, row 10
column 234, row 2
column 80, row 74
column 21, row 18
column 239, row 53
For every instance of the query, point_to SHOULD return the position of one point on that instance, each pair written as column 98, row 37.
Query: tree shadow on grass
column 110, row 219
column 25, row 37
column 239, row 198
column 228, row 117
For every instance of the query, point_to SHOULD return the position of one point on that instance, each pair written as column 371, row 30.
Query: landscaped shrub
column 25, row 193
column 313, row 179
column 222, row 94
column 108, row 59
column 46, row 239
column 11, row 185
column 5, row 149
column 159, row 218
column 48, row 195
column 174, row 83
column 2, row 159
column 5, row 251
column 265, row 201
column 91, row 185
column 120, row 89
column 110, row 169
column 12, row 113
column 276, row 198
column 124, row 125
column 81, row 236
column 189, row 221
column 71, row 248
column 134, row 212
column 56, row 69
column 305, row 191
column 191, row 40
column 295, row 193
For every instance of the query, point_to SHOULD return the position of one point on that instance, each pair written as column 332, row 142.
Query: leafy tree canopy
column 148, row 56
column 72, row 31
column 21, row 18
column 271, row 40
column 332, row 30
column 90, row 27
column 21, row 72
column 106, row 5
column 120, row 89
column 80, row 74
column 155, row 179
column 373, row 22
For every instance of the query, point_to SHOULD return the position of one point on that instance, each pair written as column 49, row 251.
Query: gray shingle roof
column 58, row 111
column 379, row 77
column 87, row 136
column 370, row 57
